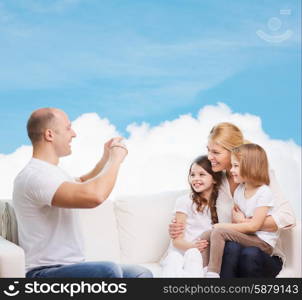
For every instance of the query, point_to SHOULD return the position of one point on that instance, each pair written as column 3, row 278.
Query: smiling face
column 63, row 134
column 199, row 179
column 219, row 157
column 235, row 170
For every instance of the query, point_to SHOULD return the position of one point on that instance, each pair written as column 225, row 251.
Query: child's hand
column 218, row 225
column 237, row 215
column 201, row 245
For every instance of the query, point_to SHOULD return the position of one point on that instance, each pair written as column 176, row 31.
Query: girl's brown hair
column 198, row 198
column 253, row 164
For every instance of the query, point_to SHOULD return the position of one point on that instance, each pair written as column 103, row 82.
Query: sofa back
column 100, row 233
column 130, row 229
column 134, row 229
column 142, row 222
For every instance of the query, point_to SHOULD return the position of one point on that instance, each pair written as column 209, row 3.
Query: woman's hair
column 253, row 163
column 227, row 135
column 197, row 198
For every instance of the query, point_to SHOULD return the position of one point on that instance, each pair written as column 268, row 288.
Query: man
column 45, row 199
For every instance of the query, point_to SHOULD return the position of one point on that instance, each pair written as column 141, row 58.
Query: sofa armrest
column 12, row 260
column 291, row 242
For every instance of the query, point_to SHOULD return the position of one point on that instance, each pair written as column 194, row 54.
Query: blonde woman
column 239, row 261
column 254, row 198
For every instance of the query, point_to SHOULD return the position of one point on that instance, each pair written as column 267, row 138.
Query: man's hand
column 118, row 149
column 101, row 163
column 107, row 145
column 201, row 245
column 237, row 215
column 175, row 229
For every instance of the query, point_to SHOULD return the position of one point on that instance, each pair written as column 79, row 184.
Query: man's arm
column 103, row 161
column 95, row 191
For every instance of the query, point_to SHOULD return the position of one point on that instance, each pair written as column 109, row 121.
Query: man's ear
column 48, row 135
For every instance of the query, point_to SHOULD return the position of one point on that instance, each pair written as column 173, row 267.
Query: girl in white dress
column 197, row 211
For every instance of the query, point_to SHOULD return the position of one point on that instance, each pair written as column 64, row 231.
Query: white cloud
column 159, row 156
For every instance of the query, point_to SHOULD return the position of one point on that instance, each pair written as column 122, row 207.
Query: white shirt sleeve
column 265, row 197
column 238, row 194
column 183, row 204
column 44, row 186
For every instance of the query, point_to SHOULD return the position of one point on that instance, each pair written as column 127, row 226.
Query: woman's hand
column 175, row 229
column 237, row 215
column 201, row 245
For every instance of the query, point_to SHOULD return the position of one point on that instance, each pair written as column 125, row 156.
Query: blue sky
column 149, row 61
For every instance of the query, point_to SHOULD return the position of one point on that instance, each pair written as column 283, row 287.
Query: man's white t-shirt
column 262, row 197
column 48, row 234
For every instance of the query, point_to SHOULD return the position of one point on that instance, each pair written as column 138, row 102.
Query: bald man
column 46, row 199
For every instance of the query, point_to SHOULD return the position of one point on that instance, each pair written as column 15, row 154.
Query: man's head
column 50, row 127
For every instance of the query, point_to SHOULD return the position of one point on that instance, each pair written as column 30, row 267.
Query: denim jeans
column 103, row 269
column 239, row 261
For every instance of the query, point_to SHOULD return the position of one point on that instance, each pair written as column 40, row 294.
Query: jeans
column 104, row 269
column 239, row 261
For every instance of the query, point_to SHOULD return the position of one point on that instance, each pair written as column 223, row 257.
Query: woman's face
column 219, row 157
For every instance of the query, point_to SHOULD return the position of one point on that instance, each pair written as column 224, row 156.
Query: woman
column 241, row 261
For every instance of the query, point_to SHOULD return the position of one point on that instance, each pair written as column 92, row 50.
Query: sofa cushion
column 100, row 233
column 291, row 245
column 12, row 261
column 142, row 223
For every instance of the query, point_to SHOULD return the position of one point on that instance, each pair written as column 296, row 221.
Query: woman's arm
column 239, row 217
column 176, row 229
column 255, row 223
column 282, row 215
column 269, row 224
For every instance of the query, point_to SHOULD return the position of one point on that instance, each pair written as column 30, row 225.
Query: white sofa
column 134, row 229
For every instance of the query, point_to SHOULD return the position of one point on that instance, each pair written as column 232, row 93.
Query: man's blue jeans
column 239, row 261
column 103, row 269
